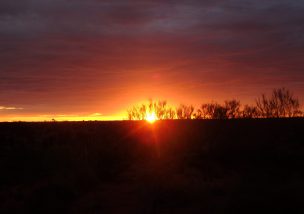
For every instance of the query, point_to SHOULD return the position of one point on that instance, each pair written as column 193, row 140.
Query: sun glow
column 151, row 117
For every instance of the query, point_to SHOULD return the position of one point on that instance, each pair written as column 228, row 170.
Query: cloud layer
column 100, row 56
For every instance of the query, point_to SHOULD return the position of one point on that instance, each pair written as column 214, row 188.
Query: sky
column 89, row 59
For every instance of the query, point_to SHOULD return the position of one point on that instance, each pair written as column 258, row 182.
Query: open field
column 182, row 166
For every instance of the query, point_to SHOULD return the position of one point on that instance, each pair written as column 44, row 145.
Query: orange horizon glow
column 61, row 118
column 15, row 114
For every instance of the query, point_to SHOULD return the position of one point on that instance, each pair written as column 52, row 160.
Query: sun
column 151, row 117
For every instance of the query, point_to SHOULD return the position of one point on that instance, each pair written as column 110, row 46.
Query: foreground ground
column 235, row 166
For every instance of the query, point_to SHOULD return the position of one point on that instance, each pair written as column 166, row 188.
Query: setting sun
column 151, row 117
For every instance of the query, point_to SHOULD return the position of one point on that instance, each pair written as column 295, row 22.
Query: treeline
column 280, row 104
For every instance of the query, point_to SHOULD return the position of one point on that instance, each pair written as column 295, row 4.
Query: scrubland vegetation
column 202, row 163
column 280, row 104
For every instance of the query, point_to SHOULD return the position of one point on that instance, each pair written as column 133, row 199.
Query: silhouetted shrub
column 282, row 103
column 211, row 111
column 185, row 112
column 232, row 108
column 160, row 109
column 249, row 112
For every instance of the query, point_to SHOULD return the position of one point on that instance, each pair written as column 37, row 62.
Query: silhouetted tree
column 249, row 112
column 220, row 112
column 143, row 111
column 170, row 114
column 198, row 114
column 134, row 113
column 160, row 108
column 203, row 112
column 232, row 108
column 211, row 111
column 207, row 110
column 282, row 103
column 185, row 112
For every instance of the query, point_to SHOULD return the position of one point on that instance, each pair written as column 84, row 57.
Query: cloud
column 61, row 55
column 10, row 108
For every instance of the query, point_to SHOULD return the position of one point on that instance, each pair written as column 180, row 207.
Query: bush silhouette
column 160, row 109
column 282, row 103
column 232, row 108
column 249, row 112
column 211, row 111
column 185, row 112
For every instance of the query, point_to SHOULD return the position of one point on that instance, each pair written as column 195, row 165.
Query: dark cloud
column 61, row 52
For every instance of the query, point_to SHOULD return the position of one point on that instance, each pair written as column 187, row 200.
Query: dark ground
column 230, row 166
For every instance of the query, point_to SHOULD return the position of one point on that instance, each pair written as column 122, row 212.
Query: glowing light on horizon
column 61, row 117
column 151, row 117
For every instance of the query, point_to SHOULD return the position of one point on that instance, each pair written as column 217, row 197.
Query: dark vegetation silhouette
column 280, row 104
column 174, row 166
column 250, row 112
column 160, row 108
column 185, row 112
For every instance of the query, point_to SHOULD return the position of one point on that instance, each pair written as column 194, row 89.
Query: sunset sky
column 93, row 59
